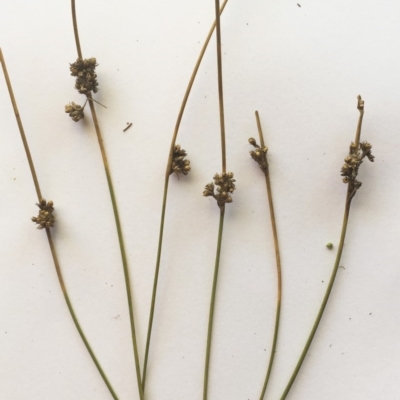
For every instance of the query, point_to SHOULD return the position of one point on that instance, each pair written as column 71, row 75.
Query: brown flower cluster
column 352, row 164
column 226, row 186
column 46, row 218
column 179, row 163
column 75, row 111
column 259, row 155
column 84, row 70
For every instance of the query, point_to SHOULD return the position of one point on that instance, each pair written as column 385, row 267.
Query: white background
column 302, row 68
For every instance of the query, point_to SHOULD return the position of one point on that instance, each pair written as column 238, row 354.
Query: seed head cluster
column 46, row 218
column 352, row 164
column 86, row 78
column 179, row 163
column 75, row 111
column 259, row 155
column 225, row 187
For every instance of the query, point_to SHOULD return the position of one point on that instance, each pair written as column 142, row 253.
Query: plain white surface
column 302, row 67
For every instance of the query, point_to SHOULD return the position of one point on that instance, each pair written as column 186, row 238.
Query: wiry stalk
column 278, row 264
column 222, row 208
column 349, row 197
column 116, row 215
column 212, row 306
column 48, row 232
column 165, row 195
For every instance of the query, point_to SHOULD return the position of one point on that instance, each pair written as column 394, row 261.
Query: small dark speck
column 322, row 281
column 330, row 345
column 342, row 353
column 247, row 23
column 349, row 318
column 370, row 313
column 6, row 332
column 117, row 69
column 264, row 349
column 298, row 5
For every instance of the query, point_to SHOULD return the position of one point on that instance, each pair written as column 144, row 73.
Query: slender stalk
column 278, row 265
column 222, row 208
column 165, row 195
column 349, row 197
column 212, row 306
column 116, row 215
column 48, row 232
column 220, row 86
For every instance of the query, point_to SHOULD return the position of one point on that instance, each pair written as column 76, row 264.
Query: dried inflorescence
column 75, row 111
column 259, row 155
column 352, row 164
column 46, row 218
column 179, row 163
column 84, row 70
column 226, row 186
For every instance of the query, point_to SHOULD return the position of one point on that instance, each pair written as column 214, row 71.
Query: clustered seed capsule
column 179, row 163
column 352, row 164
column 84, row 70
column 225, row 187
column 259, row 155
column 46, row 218
column 75, row 111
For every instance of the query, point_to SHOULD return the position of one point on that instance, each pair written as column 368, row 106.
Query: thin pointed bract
column 170, row 169
column 226, row 186
column 260, row 156
column 358, row 151
column 46, row 221
column 86, row 83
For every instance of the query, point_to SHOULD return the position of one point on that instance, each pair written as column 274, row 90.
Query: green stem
column 222, row 207
column 116, row 214
column 278, row 266
column 121, row 246
column 49, row 237
column 74, row 318
column 349, row 198
column 155, row 283
column 324, row 301
column 165, row 195
column 212, row 305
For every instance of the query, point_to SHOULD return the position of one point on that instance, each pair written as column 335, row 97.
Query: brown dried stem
column 116, row 214
column 48, row 232
column 278, row 264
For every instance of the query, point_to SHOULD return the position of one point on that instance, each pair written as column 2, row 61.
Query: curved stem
column 49, row 237
column 116, row 215
column 349, row 197
column 324, row 301
column 212, row 305
column 73, row 315
column 165, row 195
column 189, row 88
column 278, row 266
